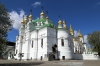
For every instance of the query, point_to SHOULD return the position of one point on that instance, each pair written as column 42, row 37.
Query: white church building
column 41, row 39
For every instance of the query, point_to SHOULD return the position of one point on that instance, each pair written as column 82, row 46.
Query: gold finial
column 42, row 8
column 47, row 18
column 42, row 13
column 79, row 34
column 59, row 17
column 23, row 22
column 31, row 14
column 71, row 30
column 59, row 22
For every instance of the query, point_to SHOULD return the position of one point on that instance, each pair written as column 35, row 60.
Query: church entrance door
column 41, row 57
column 63, row 57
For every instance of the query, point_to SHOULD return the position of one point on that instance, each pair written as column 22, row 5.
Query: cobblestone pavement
column 50, row 63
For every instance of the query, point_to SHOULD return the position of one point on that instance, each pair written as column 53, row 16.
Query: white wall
column 42, row 50
column 25, row 50
column 37, row 51
column 66, row 49
column 33, row 51
column 86, row 56
column 51, row 38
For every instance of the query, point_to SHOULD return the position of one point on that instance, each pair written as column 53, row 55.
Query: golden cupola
column 23, row 21
column 30, row 16
column 64, row 24
column 47, row 18
column 60, row 23
column 71, row 30
column 42, row 14
column 79, row 34
column 26, row 18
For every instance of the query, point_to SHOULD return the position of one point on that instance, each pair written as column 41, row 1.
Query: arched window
column 32, row 43
column 42, row 42
column 39, row 24
column 69, row 43
column 62, row 42
column 35, row 24
column 16, row 51
column 22, row 37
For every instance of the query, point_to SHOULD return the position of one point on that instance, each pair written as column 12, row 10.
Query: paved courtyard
column 50, row 63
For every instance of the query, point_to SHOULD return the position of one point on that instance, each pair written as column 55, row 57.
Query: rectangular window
column 16, row 51
column 32, row 43
column 62, row 42
column 22, row 37
column 41, row 42
column 69, row 43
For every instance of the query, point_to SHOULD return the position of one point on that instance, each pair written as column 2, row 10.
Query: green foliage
column 5, row 26
column 94, row 41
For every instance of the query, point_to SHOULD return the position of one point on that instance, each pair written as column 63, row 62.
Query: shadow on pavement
column 22, row 64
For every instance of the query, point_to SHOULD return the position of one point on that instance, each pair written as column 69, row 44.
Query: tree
column 5, row 26
column 94, row 41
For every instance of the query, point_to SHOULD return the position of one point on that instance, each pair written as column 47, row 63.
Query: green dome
column 43, row 20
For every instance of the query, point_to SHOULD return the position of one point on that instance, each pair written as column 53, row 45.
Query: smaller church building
column 41, row 39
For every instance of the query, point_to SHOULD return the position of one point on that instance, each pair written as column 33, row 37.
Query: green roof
column 40, row 20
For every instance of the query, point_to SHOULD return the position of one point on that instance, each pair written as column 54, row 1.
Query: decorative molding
column 63, row 38
column 34, row 38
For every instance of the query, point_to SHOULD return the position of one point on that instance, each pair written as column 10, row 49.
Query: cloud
column 85, row 36
column 36, row 4
column 17, row 17
column 98, row 3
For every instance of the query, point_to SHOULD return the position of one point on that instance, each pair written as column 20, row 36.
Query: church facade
column 41, row 39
